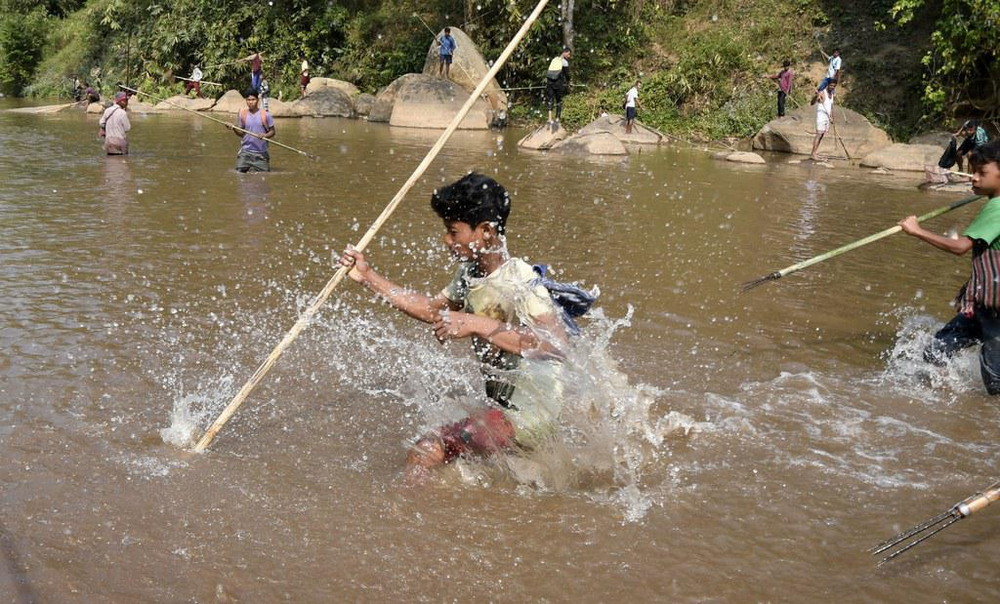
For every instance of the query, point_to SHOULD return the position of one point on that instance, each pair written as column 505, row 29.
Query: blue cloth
column 448, row 46
column 571, row 299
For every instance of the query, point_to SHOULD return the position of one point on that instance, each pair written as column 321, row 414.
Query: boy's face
column 252, row 103
column 463, row 240
column 986, row 179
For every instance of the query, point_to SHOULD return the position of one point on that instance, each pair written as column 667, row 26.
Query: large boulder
column 424, row 101
column 615, row 125
column 381, row 110
column 596, row 143
column 795, row 132
column 363, row 104
column 184, row 102
column 543, row 138
column 327, row 101
column 468, row 68
column 900, row 156
column 279, row 108
column 231, row 102
column 316, row 84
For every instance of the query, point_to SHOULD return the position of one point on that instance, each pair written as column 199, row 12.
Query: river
column 722, row 446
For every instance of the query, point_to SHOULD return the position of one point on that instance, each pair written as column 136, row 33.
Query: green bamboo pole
column 307, row 315
column 850, row 246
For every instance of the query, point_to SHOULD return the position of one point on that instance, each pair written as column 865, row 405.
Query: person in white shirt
column 631, row 105
column 824, row 115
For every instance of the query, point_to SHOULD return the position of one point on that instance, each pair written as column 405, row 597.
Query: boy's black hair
column 990, row 152
column 970, row 125
column 473, row 199
column 251, row 92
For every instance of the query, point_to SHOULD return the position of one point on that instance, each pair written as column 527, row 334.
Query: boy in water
column 978, row 302
column 516, row 330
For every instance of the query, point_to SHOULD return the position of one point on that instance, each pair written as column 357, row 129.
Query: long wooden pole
column 850, row 246
column 306, row 317
column 924, row 531
column 224, row 123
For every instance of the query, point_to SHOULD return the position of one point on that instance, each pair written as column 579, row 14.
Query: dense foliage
column 961, row 71
column 700, row 61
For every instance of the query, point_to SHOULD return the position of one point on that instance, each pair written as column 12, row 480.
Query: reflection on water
column 720, row 446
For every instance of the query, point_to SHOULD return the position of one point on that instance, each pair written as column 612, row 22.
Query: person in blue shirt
column 446, row 52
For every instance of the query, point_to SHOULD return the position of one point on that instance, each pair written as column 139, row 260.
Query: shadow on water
column 17, row 572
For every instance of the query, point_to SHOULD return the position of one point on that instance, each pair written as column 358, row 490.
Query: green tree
column 961, row 70
column 22, row 39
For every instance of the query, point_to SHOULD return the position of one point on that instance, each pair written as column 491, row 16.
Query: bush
column 22, row 40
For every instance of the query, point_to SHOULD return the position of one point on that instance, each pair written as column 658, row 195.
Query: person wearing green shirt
column 978, row 302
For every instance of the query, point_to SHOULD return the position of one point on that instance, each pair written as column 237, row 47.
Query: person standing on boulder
column 824, row 115
column 784, row 78
column 557, row 84
column 446, row 52
column 631, row 106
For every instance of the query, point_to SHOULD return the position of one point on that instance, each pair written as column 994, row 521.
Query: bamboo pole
column 306, row 317
column 223, row 122
column 925, row 530
column 202, row 81
column 850, row 246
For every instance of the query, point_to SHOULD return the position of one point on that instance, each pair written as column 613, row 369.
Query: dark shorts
column 482, row 433
column 967, row 146
column 630, row 113
column 252, row 162
column 446, row 59
column 304, row 81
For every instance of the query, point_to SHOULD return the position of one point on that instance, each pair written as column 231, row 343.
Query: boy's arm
column 416, row 305
column 958, row 246
column 520, row 340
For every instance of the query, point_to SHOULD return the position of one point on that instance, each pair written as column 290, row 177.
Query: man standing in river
column 255, row 126
column 114, row 126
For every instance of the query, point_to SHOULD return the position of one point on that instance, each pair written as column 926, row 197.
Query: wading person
column 115, row 126
column 557, row 84
column 824, row 115
column 516, row 330
column 978, row 302
column 259, row 126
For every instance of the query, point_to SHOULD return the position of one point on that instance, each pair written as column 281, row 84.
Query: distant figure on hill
column 631, row 106
column 448, row 45
column 832, row 72
column 256, row 69
column 784, row 78
column 557, row 84
column 824, row 115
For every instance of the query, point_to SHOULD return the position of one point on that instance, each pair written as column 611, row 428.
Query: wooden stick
column 962, row 509
column 202, row 81
column 223, row 122
column 850, row 246
column 306, row 317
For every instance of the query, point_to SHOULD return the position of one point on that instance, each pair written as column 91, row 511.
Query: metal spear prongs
column 924, row 531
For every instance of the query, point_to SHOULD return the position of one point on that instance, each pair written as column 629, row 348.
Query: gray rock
column 900, row 156
column 327, row 101
column 794, row 133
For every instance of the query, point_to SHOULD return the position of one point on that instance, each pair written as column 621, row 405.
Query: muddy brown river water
column 726, row 447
